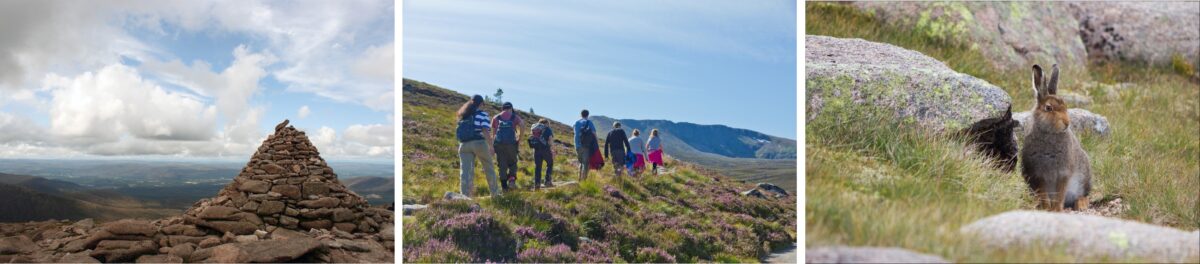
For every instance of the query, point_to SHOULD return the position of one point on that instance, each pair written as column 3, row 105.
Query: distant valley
column 40, row 189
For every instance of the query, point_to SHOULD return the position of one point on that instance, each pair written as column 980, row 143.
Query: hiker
column 475, row 142
column 585, row 138
column 506, row 129
column 654, row 146
column 539, row 141
column 616, row 143
column 638, row 148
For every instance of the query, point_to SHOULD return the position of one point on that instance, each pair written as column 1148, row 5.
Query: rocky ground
column 285, row 206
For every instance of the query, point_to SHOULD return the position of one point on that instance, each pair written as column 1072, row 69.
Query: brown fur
column 1051, row 156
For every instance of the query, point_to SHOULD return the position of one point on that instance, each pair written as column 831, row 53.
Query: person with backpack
column 506, row 129
column 475, row 143
column 654, row 145
column 539, row 140
column 616, row 143
column 585, row 143
column 638, row 148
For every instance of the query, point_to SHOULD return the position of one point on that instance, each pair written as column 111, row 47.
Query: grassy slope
column 908, row 190
column 690, row 214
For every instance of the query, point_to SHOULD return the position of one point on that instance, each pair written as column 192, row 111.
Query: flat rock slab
column 867, row 255
column 845, row 77
column 1088, row 235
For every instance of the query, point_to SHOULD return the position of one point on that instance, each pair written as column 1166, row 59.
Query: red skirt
column 639, row 161
column 656, row 157
column 596, row 161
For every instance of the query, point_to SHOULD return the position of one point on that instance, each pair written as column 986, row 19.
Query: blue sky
column 195, row 79
column 707, row 62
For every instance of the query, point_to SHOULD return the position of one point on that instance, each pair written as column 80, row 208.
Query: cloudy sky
column 708, row 62
column 205, row 79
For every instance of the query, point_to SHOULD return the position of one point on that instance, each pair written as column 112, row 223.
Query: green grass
column 870, row 184
column 692, row 213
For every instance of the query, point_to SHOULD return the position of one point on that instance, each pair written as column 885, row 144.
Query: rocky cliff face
column 286, row 205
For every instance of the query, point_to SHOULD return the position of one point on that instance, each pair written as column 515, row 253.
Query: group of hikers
column 480, row 136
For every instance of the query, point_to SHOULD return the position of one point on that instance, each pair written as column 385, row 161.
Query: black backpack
column 467, row 131
column 587, row 135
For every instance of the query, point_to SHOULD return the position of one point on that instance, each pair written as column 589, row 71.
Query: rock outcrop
column 1151, row 32
column 1087, row 236
column 1014, row 35
column 286, row 205
column 846, row 74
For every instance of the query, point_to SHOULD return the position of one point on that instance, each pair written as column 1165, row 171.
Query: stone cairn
column 285, row 184
column 286, row 205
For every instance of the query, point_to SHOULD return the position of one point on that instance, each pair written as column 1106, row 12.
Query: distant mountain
column 715, row 139
column 29, row 198
column 740, row 153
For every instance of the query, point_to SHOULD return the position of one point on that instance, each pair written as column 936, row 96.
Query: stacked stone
column 285, row 184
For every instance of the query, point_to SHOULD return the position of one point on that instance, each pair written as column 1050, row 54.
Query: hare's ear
column 1037, row 82
column 1052, row 87
column 1008, row 112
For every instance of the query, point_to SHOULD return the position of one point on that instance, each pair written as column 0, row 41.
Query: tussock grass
column 873, row 182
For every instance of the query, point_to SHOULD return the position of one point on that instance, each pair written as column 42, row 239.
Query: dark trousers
column 506, row 160
column 539, row 156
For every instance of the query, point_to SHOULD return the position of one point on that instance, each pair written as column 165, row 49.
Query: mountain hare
column 1052, row 160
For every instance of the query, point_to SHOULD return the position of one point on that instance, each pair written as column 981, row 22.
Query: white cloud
column 103, row 106
column 19, row 129
column 356, row 141
column 372, row 135
column 64, row 60
column 377, row 62
column 303, row 112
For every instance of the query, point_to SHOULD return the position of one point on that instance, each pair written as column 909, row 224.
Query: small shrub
column 555, row 254
column 479, row 233
column 654, row 255
column 1181, row 65
column 437, row 251
column 526, row 232
column 594, row 252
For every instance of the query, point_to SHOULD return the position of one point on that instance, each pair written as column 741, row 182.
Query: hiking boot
column 549, row 185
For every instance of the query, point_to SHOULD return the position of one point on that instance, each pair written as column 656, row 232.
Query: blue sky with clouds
column 194, row 79
column 707, row 62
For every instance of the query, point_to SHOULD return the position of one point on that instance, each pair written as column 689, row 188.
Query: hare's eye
column 1048, row 108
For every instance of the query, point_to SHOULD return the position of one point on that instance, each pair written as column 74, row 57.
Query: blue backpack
column 506, row 132
column 467, row 131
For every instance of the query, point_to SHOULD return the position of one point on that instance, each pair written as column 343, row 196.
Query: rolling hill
column 29, row 198
column 377, row 190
